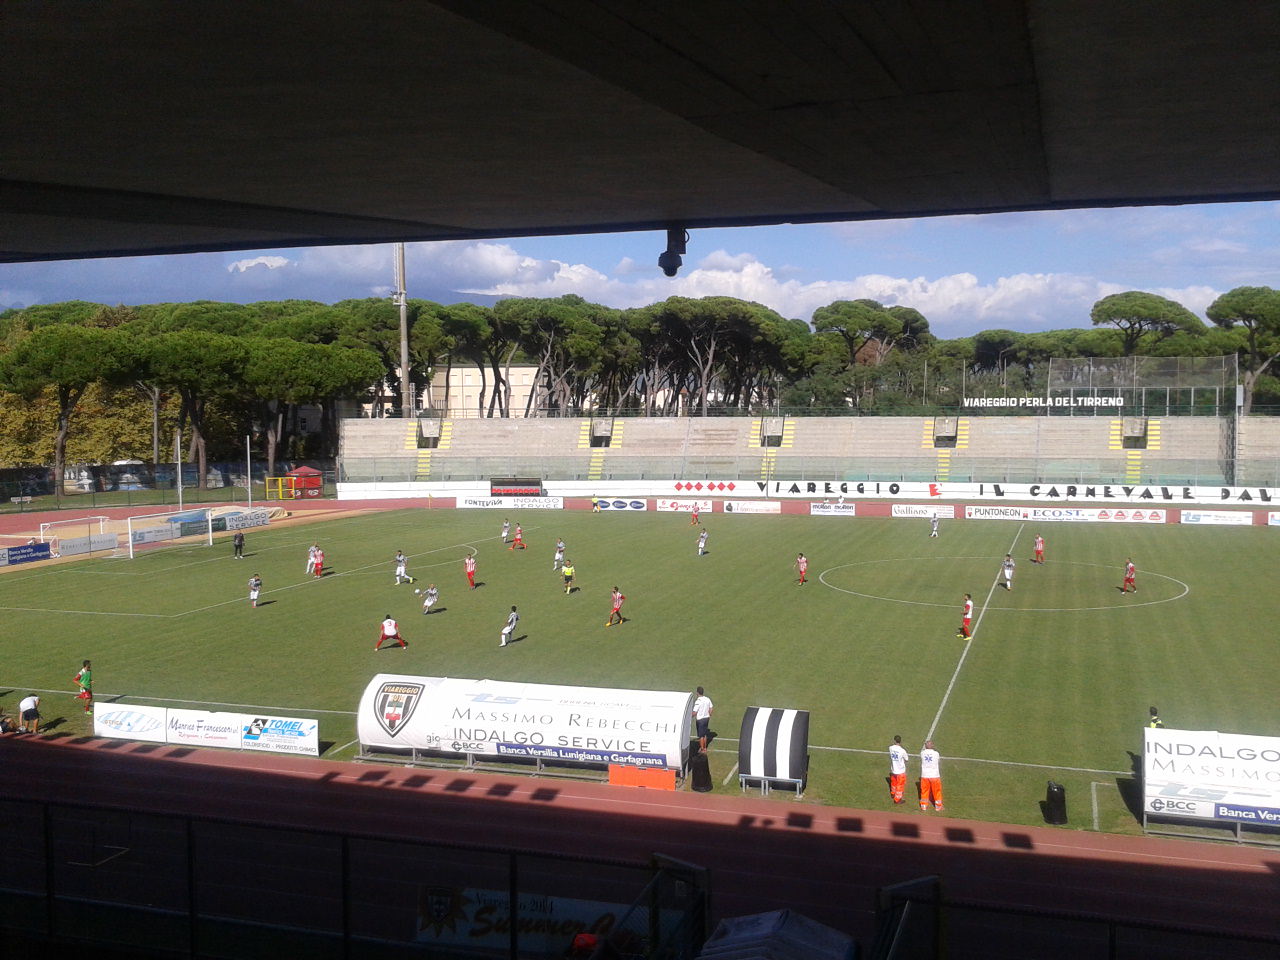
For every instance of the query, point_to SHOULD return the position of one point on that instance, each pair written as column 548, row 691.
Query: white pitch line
column 1093, row 793
column 104, row 698
column 725, row 781
column 344, row 746
column 977, row 624
column 950, row 759
column 90, row 613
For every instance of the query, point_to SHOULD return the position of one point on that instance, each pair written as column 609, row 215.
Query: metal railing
column 748, row 469
column 196, row 886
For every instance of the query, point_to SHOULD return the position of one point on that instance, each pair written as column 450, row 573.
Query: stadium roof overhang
column 145, row 126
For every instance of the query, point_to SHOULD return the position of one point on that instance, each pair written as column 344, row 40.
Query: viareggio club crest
column 394, row 704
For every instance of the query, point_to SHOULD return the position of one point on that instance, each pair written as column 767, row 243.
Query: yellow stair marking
column 411, row 435
column 753, row 435
column 1114, row 440
column 424, row 464
column 1133, row 465
column 788, row 432
column 768, row 463
column 926, row 438
column 615, row 439
column 446, row 435
column 1153, row 434
column 584, row 435
column 944, row 464
column 962, row 433
column 595, row 469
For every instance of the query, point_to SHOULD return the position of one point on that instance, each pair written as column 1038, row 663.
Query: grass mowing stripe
column 976, row 626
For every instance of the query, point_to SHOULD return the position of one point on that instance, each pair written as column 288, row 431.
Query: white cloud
column 271, row 263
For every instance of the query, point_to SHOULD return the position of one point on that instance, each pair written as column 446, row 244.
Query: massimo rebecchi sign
column 501, row 719
column 1207, row 775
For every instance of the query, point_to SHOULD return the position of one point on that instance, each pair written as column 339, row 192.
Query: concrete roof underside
column 148, row 126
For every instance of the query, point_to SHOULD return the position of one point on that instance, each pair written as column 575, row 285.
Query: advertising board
column 1273, row 519
column 201, row 728
column 684, row 506
column 833, row 510
column 495, row 718
column 205, row 728
column 481, row 503
column 751, row 506
column 247, row 519
column 26, row 553
column 472, row 920
column 617, row 504
column 1095, row 494
column 942, row 511
column 1207, row 775
column 280, row 734
column 534, row 503
column 127, row 721
column 1220, row 518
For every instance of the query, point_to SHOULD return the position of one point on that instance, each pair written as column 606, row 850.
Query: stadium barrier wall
column 1099, row 493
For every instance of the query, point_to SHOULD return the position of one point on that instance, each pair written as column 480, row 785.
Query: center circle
column 1170, row 588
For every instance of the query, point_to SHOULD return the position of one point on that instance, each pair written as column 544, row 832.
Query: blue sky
column 1021, row 271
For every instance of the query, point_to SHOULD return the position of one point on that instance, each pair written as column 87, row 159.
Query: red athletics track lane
column 826, row 862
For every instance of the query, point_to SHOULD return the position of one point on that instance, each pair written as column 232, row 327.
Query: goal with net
column 154, row 530
column 82, row 535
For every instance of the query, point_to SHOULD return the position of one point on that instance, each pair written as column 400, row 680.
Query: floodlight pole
column 400, row 298
column 248, row 470
column 177, row 459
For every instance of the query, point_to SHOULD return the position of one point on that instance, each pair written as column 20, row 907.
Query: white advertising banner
column 1096, row 493
column 1273, row 519
column 126, row 721
column 752, row 506
column 495, row 718
column 684, row 506
column 280, row 734
column 482, row 503
column 1207, row 775
column 201, row 728
column 1068, row 514
column 833, row 510
column 204, row 728
column 70, row 546
column 617, row 505
column 940, row 510
column 1222, row 518
column 247, row 519
column 533, row 503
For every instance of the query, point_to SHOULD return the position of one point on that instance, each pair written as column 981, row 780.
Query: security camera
column 669, row 260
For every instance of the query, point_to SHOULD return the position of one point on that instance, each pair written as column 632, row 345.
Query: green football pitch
column 1054, row 685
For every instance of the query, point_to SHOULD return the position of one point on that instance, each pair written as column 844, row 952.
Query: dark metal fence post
column 513, row 894
column 48, row 870
column 193, row 922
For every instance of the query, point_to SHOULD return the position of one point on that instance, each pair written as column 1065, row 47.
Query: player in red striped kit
column 1039, row 549
column 618, row 600
column 319, row 568
column 469, row 565
column 1130, row 584
column 966, row 618
column 519, row 539
column 801, row 565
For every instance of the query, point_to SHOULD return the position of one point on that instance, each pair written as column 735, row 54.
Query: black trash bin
column 700, row 773
column 1055, row 804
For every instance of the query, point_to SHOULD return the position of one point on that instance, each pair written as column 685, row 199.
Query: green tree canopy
column 1138, row 314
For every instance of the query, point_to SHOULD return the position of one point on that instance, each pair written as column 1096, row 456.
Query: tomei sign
column 494, row 718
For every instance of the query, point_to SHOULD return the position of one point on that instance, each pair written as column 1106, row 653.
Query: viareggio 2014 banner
column 500, row 719
column 1083, row 492
column 1207, row 775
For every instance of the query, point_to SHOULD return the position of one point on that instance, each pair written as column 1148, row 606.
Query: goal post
column 80, row 535
column 188, row 527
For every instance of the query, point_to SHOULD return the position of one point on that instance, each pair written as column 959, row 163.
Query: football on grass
column 416, row 590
